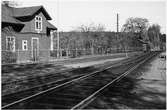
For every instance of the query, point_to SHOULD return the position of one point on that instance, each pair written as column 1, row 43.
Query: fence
column 72, row 53
column 28, row 56
column 8, row 57
column 19, row 56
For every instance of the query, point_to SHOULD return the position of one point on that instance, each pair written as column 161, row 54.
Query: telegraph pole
column 58, row 44
column 117, row 22
column 118, row 34
column 58, row 37
column 117, row 30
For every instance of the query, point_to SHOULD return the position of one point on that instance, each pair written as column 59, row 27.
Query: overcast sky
column 68, row 14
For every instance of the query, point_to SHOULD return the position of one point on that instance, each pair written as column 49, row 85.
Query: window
column 10, row 43
column 24, row 45
column 38, row 23
column 51, row 42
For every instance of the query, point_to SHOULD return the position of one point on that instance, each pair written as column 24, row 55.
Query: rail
column 92, row 97
column 66, row 83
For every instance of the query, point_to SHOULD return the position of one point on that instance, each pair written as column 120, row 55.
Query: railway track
column 32, row 77
column 7, row 68
column 32, row 82
column 78, row 91
column 41, row 80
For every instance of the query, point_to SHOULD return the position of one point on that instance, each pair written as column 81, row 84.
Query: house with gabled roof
column 26, row 33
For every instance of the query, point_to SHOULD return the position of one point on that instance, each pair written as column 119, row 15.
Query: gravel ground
column 145, row 88
column 21, row 71
column 86, row 64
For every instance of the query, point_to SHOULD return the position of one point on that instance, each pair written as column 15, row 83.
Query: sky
column 69, row 14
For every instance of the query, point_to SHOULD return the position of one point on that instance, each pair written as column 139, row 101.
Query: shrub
column 8, row 57
column 53, row 53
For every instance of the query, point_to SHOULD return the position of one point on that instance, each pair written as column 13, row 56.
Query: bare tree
column 135, row 25
column 98, row 28
column 91, row 28
column 87, row 30
column 154, row 35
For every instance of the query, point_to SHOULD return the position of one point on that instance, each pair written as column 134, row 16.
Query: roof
column 11, row 14
column 49, row 25
column 30, row 11
column 7, row 15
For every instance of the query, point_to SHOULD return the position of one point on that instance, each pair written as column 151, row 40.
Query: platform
column 152, row 86
column 20, row 71
column 144, row 88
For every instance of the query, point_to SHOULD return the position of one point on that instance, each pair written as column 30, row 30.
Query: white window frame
column 39, row 28
column 32, row 45
column 13, row 50
column 24, row 44
column 51, row 40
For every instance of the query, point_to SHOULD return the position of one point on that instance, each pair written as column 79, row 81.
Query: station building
column 26, row 34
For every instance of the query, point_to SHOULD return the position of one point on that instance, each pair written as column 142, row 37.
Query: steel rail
column 66, row 83
column 50, row 89
column 46, row 84
column 92, row 97
column 50, row 76
column 30, row 77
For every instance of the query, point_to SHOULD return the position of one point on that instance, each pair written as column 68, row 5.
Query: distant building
column 26, row 33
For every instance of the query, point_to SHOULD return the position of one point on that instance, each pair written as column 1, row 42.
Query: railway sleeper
column 61, row 101
column 46, row 106
column 87, row 87
column 76, row 90
column 39, row 105
column 67, row 95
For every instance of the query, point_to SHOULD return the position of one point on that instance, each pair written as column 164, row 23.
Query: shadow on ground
column 25, row 67
column 122, row 96
column 133, row 92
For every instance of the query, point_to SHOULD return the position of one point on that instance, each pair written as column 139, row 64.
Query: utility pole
column 117, row 27
column 118, row 34
column 58, row 44
column 58, row 37
column 117, row 22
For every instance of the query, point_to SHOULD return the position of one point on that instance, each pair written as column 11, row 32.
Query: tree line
column 93, row 39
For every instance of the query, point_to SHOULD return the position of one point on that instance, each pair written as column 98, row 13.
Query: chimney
column 6, row 3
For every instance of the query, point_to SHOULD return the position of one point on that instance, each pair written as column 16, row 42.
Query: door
column 35, row 48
